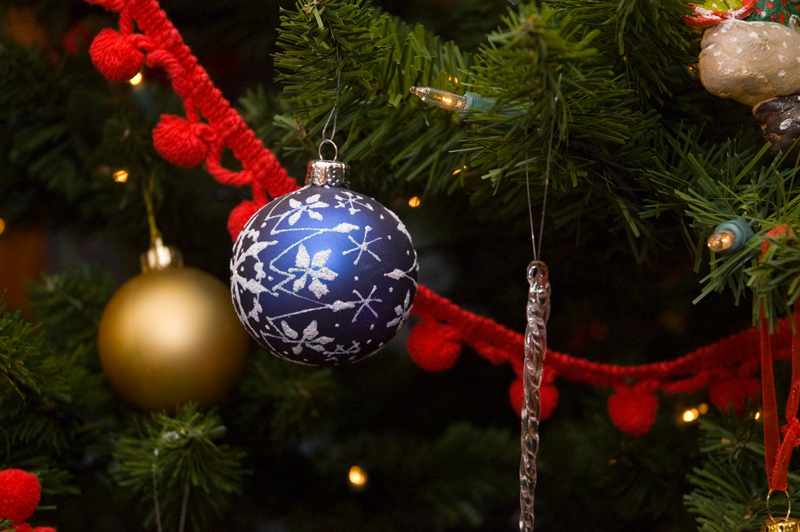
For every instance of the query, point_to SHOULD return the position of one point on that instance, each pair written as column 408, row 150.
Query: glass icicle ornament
column 538, row 311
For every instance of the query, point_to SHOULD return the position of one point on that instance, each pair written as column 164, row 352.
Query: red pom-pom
column 548, row 398
column 43, row 529
column 239, row 216
column 733, row 392
column 434, row 346
column 633, row 411
column 115, row 55
column 19, row 494
column 181, row 142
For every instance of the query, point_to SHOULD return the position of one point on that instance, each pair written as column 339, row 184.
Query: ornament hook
column 788, row 502
column 335, row 148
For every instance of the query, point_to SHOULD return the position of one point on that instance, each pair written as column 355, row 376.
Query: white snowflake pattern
column 401, row 312
column 298, row 208
column 362, row 246
column 314, row 268
column 351, row 201
column 310, row 339
column 365, row 303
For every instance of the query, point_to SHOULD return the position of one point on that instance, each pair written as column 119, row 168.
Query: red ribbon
column 777, row 452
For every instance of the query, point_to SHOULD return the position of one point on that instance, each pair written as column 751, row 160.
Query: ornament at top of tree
column 323, row 275
column 170, row 335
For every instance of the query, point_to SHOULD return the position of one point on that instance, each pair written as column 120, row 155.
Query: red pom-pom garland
column 633, row 410
column 115, row 55
column 181, row 142
column 734, row 392
column 434, row 346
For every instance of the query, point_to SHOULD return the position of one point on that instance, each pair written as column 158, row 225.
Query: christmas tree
column 663, row 173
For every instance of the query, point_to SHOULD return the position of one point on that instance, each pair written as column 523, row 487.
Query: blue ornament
column 323, row 275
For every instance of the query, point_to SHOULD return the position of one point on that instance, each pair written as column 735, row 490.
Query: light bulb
column 135, row 80
column 2, row 226
column 439, row 98
column 414, row 201
column 721, row 240
column 120, row 176
column 730, row 236
column 690, row 415
column 357, row 477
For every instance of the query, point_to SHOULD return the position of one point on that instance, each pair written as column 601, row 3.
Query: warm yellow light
column 459, row 170
column 447, row 100
column 357, row 476
column 2, row 226
column 135, row 80
column 414, row 201
column 120, row 176
column 703, row 408
column 690, row 415
column 757, row 415
column 721, row 240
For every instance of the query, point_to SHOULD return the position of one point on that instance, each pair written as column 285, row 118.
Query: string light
column 729, row 236
column 135, row 80
column 451, row 101
column 2, row 226
column 357, row 477
column 757, row 415
column 691, row 415
column 120, row 176
column 414, row 201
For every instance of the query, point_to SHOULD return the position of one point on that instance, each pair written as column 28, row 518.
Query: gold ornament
column 170, row 335
column 790, row 525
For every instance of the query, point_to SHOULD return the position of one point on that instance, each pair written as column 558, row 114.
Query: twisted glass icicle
column 538, row 311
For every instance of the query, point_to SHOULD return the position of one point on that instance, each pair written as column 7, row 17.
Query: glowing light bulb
column 757, row 415
column 357, row 477
column 135, row 80
column 703, row 408
column 2, row 226
column 730, row 236
column 721, row 240
column 414, row 201
column 443, row 99
column 690, row 415
column 120, row 176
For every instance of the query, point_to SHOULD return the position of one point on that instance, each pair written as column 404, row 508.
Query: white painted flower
column 310, row 338
column 298, row 208
column 314, row 268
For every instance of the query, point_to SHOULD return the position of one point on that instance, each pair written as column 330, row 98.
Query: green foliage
column 179, row 462
column 71, row 304
column 731, row 486
column 38, row 415
column 459, row 479
column 375, row 58
column 286, row 402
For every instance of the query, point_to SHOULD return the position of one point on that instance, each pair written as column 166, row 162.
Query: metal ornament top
column 332, row 173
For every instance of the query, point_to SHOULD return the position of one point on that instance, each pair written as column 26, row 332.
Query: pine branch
column 71, row 304
column 378, row 57
column 168, row 455
column 730, row 488
column 286, row 402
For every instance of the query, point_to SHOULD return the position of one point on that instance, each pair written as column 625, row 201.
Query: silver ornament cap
column 332, row 173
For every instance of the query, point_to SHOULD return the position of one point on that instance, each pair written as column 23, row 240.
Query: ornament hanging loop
column 335, row 149
column 788, row 510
